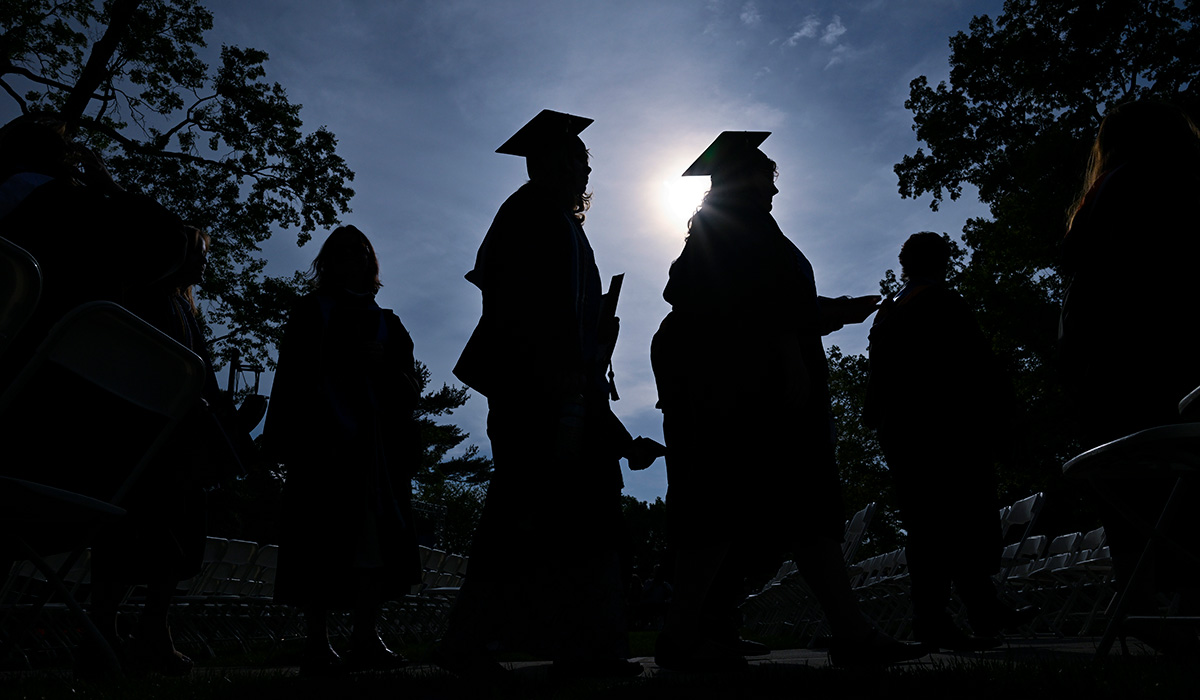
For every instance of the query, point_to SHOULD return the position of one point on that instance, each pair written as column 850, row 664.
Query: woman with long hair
column 1127, row 331
column 342, row 422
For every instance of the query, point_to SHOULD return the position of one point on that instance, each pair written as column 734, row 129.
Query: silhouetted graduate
column 544, row 564
column 942, row 409
column 743, row 386
column 341, row 419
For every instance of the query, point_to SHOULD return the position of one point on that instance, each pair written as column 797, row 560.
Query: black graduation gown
column 743, row 385
column 544, row 564
column 341, row 420
column 538, row 333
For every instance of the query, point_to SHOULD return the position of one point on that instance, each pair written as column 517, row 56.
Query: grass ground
column 265, row 677
column 1130, row 679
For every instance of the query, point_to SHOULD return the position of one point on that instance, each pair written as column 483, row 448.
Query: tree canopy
column 220, row 145
column 1026, row 94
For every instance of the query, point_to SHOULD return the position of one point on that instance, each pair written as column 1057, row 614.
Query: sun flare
column 681, row 196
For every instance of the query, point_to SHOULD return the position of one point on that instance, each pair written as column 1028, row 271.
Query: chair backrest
column 1093, row 539
column 1023, row 512
column 237, row 563
column 1031, row 547
column 20, row 289
column 1064, row 544
column 100, row 396
column 856, row 528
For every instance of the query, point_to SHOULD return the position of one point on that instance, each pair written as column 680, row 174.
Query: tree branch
column 30, row 75
column 171, row 132
column 120, row 16
column 13, row 94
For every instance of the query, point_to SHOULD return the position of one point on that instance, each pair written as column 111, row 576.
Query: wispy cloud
column 836, row 56
column 750, row 15
column 828, row 34
column 808, row 30
column 833, row 31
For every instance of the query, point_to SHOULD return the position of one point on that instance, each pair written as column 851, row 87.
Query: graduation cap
column 730, row 146
column 545, row 131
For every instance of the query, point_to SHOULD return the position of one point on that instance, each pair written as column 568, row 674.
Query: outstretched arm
column 840, row 311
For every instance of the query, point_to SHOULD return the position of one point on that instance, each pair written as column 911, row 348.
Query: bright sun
column 681, row 196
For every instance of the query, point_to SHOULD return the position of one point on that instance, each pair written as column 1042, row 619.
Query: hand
column 642, row 453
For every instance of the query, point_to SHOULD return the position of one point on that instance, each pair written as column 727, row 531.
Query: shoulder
column 528, row 202
column 395, row 326
column 308, row 307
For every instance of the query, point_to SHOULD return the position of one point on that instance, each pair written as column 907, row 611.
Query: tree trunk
column 95, row 71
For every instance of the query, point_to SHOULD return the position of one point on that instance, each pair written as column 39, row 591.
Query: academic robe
column 341, row 421
column 743, row 386
column 544, row 569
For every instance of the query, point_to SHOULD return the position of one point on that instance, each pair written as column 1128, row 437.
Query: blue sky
column 420, row 93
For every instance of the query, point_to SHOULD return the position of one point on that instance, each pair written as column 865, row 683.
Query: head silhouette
column 35, row 143
column 555, row 156
column 742, row 175
column 1149, row 132
column 748, row 178
column 926, row 256
column 347, row 261
column 562, row 167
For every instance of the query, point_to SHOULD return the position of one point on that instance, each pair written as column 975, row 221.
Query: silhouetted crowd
column 743, row 385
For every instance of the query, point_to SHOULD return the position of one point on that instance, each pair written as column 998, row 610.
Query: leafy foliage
column 221, row 146
column 456, row 484
column 647, row 527
column 861, row 465
column 439, row 439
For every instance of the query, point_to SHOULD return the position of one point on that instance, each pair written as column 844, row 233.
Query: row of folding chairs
column 229, row 605
column 423, row 615
column 442, row 572
column 1068, row 577
column 230, row 601
column 785, row 606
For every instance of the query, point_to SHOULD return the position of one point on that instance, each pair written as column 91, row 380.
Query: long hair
column 1149, row 131
column 198, row 245
column 336, row 263
column 729, row 182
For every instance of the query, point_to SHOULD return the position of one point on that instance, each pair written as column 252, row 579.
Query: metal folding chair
column 1171, row 452
column 98, row 362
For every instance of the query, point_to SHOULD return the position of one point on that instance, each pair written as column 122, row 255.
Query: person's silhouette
column 742, row 383
column 545, row 575
column 342, row 421
column 942, row 410
column 1127, row 335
